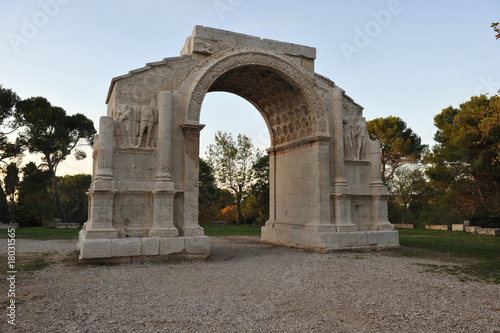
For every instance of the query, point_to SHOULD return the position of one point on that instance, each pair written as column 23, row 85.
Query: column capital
column 192, row 127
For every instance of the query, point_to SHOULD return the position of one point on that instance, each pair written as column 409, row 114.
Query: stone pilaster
column 337, row 130
column 341, row 198
column 163, row 215
column 99, row 224
column 190, row 225
column 380, row 196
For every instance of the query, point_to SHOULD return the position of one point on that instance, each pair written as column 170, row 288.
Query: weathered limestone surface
column 437, row 227
column 488, row 231
column 326, row 193
column 404, row 225
column 471, row 228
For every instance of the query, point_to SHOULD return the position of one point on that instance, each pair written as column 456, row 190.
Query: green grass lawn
column 478, row 256
column 234, row 230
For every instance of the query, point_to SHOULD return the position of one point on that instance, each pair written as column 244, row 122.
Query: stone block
column 488, row 231
column 9, row 226
column 457, row 227
column 313, row 240
column 200, row 244
column 362, row 239
column 126, row 247
column 471, row 228
column 95, row 248
column 383, row 238
column 266, row 233
column 347, row 239
column 437, row 227
column 254, row 42
column 332, row 240
column 171, row 245
column 404, row 226
column 150, row 246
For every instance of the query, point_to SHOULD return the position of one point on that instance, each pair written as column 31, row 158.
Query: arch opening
column 282, row 105
column 228, row 112
column 223, row 111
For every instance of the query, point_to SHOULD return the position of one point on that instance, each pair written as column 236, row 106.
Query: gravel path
column 251, row 287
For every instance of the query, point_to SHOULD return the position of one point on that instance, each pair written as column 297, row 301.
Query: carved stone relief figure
column 125, row 124
column 360, row 135
column 146, row 124
column 348, row 140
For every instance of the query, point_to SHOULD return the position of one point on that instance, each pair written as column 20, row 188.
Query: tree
column 465, row 162
column 399, row 144
column 73, row 190
column 36, row 202
column 50, row 131
column 11, row 183
column 208, row 191
column 407, row 184
column 496, row 28
column 8, row 149
column 256, row 205
column 232, row 164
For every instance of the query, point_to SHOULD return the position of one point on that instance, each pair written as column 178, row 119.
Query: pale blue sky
column 403, row 58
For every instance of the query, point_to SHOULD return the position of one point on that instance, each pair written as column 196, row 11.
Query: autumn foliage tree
column 232, row 162
column 465, row 162
column 212, row 200
column 496, row 28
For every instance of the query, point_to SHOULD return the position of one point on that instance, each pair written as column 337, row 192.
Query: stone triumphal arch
column 326, row 192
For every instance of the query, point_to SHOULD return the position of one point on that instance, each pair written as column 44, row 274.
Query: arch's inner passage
column 281, row 103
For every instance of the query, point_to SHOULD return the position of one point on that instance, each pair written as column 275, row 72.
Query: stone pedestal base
column 142, row 249
column 279, row 234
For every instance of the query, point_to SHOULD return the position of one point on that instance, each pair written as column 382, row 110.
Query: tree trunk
column 239, row 195
column 404, row 212
column 60, row 208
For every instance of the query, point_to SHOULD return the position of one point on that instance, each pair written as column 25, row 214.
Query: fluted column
column 164, row 142
column 102, row 191
column 105, row 149
column 164, row 193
